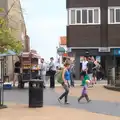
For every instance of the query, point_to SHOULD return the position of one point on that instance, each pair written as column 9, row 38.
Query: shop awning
column 65, row 55
column 9, row 53
column 61, row 50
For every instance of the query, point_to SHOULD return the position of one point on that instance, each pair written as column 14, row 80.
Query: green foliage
column 7, row 39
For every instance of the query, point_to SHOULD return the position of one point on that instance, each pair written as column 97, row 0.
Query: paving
column 98, row 92
column 77, row 83
column 50, row 99
column 22, row 112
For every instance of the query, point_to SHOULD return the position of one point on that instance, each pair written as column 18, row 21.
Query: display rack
column 29, row 67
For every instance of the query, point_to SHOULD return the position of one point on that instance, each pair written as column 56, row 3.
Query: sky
column 46, row 21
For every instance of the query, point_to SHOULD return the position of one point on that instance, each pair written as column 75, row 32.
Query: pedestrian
column 83, row 67
column 16, row 72
column 52, row 71
column 84, row 93
column 65, row 84
column 90, row 66
column 98, row 70
column 43, row 71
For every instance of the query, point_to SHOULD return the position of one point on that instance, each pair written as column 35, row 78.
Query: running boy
column 84, row 92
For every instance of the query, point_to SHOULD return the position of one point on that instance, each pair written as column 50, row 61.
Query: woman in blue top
column 67, row 76
column 65, row 84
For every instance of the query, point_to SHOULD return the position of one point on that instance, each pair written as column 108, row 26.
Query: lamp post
column 60, row 52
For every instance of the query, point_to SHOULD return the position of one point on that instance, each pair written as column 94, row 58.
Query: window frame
column 72, row 18
column 84, row 8
column 115, row 8
column 79, row 16
column 88, row 20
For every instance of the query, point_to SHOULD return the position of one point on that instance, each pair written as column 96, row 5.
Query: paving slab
column 50, row 99
column 22, row 112
column 98, row 92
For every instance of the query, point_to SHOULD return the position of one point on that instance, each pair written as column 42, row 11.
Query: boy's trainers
column 59, row 100
column 89, row 101
column 67, row 103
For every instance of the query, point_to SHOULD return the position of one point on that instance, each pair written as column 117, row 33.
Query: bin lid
column 35, row 80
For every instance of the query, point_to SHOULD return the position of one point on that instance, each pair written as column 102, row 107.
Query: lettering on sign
column 104, row 49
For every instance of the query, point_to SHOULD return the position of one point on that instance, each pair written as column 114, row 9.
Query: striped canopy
column 9, row 53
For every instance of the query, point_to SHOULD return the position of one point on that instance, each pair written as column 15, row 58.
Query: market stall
column 29, row 67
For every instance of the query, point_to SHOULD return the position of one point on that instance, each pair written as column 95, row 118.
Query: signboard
column 104, row 49
column 69, row 49
column 117, row 51
column 98, row 58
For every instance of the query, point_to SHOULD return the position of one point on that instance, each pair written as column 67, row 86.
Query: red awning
column 65, row 55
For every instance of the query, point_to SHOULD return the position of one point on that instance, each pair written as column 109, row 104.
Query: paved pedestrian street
column 105, row 105
column 21, row 112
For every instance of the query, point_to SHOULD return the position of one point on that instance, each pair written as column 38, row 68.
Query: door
column 117, row 71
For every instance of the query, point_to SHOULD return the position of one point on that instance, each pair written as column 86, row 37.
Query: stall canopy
column 8, row 53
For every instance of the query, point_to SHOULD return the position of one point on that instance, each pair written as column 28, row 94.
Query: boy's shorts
column 90, row 76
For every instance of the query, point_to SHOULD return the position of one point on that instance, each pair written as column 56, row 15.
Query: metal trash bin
column 35, row 93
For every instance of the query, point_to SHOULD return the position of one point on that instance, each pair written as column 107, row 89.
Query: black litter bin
column 35, row 93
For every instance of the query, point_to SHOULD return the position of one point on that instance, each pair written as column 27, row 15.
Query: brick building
column 93, row 29
column 14, row 15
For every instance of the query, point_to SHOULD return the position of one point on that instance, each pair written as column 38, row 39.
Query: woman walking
column 65, row 83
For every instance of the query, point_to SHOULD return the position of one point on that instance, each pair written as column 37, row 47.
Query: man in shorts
column 90, row 66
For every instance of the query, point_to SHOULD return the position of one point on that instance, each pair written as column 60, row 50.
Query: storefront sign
column 104, row 49
column 117, row 51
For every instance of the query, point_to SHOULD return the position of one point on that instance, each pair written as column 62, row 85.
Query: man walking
column 84, row 64
column 52, row 70
column 43, row 71
column 90, row 66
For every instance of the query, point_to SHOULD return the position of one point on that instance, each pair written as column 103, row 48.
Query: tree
column 7, row 39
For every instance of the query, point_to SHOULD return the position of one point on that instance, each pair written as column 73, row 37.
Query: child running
column 84, row 90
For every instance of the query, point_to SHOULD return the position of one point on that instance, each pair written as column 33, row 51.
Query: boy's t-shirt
column 84, row 80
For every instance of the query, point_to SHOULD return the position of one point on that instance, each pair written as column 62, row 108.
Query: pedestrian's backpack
column 59, row 76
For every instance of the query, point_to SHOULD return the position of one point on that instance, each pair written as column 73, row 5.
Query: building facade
column 14, row 15
column 93, row 29
column 68, row 53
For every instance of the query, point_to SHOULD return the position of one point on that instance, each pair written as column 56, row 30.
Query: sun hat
column 87, row 81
